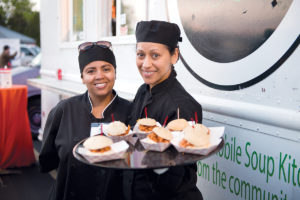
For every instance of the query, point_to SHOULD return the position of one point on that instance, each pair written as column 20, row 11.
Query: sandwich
column 177, row 125
column 146, row 124
column 196, row 136
column 118, row 128
column 160, row 135
column 98, row 144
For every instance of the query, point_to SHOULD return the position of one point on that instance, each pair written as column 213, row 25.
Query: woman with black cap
column 70, row 122
column 156, row 53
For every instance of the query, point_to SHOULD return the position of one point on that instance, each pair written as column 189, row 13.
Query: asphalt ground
column 26, row 183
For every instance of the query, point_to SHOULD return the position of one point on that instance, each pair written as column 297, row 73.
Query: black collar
column 162, row 87
column 88, row 102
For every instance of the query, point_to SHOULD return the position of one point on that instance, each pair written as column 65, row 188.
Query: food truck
column 239, row 59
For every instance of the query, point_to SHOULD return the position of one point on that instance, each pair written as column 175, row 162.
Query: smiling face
column 99, row 78
column 154, row 62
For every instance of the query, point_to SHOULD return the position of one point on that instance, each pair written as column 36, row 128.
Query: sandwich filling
column 156, row 138
column 145, row 128
column 98, row 144
column 102, row 150
column 146, row 124
column 160, row 135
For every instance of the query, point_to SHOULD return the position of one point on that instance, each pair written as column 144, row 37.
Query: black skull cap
column 96, row 53
column 158, row 32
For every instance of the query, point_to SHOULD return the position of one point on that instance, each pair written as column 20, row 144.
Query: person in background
column 70, row 122
column 6, row 57
column 156, row 53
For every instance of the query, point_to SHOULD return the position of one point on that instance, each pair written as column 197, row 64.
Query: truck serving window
column 128, row 13
column 72, row 20
column 80, row 20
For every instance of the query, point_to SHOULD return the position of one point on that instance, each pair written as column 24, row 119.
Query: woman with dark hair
column 70, row 122
column 156, row 53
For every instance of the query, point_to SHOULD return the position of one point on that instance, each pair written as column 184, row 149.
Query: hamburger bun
column 98, row 143
column 160, row 135
column 198, row 135
column 177, row 125
column 147, row 122
column 117, row 128
column 163, row 133
column 201, row 128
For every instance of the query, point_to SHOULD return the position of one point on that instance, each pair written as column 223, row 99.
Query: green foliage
column 17, row 15
column 2, row 16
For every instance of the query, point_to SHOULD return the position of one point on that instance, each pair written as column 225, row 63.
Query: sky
column 37, row 5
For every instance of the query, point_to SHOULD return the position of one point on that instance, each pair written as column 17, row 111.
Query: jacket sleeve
column 48, row 158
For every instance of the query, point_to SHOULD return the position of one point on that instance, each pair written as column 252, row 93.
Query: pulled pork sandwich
column 177, row 125
column 117, row 128
column 98, row 144
column 196, row 136
column 160, row 135
column 146, row 124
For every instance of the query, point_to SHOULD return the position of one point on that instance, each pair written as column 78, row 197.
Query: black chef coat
column 67, row 124
column 178, row 182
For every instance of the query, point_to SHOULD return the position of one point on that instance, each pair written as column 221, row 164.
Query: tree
column 2, row 16
column 17, row 15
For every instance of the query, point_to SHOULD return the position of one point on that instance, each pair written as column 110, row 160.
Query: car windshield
column 36, row 60
column 36, row 50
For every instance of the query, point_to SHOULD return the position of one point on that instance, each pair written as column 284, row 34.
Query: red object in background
column 146, row 112
column 59, row 74
column 112, row 117
column 16, row 148
column 165, row 122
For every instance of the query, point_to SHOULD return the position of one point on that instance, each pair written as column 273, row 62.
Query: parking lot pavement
column 25, row 182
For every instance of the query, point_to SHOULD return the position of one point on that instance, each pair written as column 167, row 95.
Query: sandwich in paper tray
column 158, row 140
column 198, row 139
column 118, row 131
column 101, row 148
column 144, row 126
column 176, row 126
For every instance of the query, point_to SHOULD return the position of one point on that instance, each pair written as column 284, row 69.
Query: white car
column 28, row 52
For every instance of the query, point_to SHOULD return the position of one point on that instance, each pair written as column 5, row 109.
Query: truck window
column 72, row 20
column 111, row 17
column 121, row 16
column 128, row 14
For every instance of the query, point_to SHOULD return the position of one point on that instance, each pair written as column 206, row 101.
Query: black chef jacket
column 178, row 182
column 67, row 124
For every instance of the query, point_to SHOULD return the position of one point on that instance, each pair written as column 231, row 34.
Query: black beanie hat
column 96, row 53
column 159, row 32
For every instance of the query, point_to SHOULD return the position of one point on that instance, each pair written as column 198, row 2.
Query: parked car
column 28, row 52
column 20, row 75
